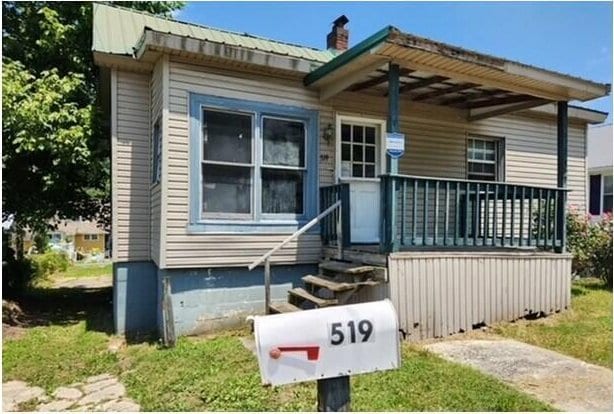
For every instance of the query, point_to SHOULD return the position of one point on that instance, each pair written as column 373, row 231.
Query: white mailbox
column 329, row 342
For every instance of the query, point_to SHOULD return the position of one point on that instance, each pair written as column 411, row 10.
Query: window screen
column 283, row 164
column 227, row 162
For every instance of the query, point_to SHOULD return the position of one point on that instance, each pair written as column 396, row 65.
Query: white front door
column 359, row 163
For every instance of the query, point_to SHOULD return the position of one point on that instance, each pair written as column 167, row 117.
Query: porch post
column 388, row 238
column 561, row 177
column 392, row 164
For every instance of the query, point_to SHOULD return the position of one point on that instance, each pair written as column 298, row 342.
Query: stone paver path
column 565, row 383
column 98, row 393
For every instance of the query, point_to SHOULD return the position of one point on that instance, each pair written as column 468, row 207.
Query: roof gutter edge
column 348, row 55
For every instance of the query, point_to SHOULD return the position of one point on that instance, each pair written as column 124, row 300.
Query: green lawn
column 77, row 271
column 583, row 332
column 220, row 374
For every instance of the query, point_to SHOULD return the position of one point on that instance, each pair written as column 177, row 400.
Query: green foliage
column 49, row 263
column 56, row 145
column 591, row 245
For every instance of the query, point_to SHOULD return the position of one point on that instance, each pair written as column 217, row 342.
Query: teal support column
column 388, row 236
column 561, row 176
column 392, row 164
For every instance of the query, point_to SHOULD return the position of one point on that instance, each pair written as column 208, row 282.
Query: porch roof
column 442, row 74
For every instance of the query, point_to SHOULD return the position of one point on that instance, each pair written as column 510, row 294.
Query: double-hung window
column 483, row 159
column 256, row 165
column 227, row 164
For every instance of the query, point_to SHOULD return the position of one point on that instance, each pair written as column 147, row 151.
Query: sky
column 569, row 37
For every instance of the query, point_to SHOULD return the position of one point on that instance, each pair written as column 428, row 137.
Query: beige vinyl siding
column 157, row 92
column 435, row 146
column 437, row 294
column 435, row 143
column 209, row 250
column 131, row 167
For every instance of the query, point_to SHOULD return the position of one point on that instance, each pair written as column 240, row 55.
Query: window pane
column 283, row 142
column 607, row 184
column 370, row 135
column 282, row 191
column 346, row 131
column 356, row 170
column 370, row 154
column 489, row 145
column 607, row 204
column 490, row 155
column 345, row 152
column 357, row 152
column 370, row 171
column 226, row 189
column 227, row 137
column 357, row 133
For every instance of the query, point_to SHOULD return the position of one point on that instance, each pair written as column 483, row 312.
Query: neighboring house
column 599, row 160
column 74, row 236
column 225, row 144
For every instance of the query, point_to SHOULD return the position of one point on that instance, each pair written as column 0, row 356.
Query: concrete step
column 283, row 307
column 304, row 295
column 334, row 286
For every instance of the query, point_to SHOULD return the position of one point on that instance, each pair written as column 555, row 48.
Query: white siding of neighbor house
column 435, row 146
column 131, row 167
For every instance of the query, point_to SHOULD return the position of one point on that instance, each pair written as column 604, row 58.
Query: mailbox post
column 328, row 345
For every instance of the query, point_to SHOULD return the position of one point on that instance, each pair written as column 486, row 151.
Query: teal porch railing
column 335, row 228
column 430, row 212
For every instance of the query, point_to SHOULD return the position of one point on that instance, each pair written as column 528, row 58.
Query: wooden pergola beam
column 469, row 97
column 442, row 92
column 422, row 83
column 499, row 101
column 337, row 86
column 489, row 112
column 378, row 80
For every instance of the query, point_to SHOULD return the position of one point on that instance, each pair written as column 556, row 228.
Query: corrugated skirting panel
column 441, row 294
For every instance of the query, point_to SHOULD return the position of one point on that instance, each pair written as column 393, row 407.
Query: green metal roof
column 117, row 30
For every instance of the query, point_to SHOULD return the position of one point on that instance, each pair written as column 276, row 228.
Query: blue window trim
column 263, row 223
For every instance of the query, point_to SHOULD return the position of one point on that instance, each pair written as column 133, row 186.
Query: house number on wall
column 346, row 333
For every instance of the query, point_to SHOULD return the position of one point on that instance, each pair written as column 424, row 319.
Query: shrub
column 17, row 273
column 49, row 263
column 591, row 245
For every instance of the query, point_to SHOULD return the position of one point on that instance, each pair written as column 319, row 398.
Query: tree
column 56, row 149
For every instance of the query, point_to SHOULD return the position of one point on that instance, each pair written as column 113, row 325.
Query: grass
column 78, row 271
column 583, row 332
column 218, row 373
column 57, row 355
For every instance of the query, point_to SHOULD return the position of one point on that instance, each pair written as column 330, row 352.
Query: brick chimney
column 337, row 39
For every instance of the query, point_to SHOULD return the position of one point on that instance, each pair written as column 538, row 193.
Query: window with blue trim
column 254, row 165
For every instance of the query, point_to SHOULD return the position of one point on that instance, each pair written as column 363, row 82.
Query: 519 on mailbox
column 341, row 333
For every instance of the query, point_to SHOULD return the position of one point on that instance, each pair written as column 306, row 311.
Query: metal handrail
column 266, row 258
column 294, row 235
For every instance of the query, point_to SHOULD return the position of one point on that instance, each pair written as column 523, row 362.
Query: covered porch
column 424, row 212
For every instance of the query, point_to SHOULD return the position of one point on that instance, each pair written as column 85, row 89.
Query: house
column 599, row 159
column 442, row 174
column 73, row 236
